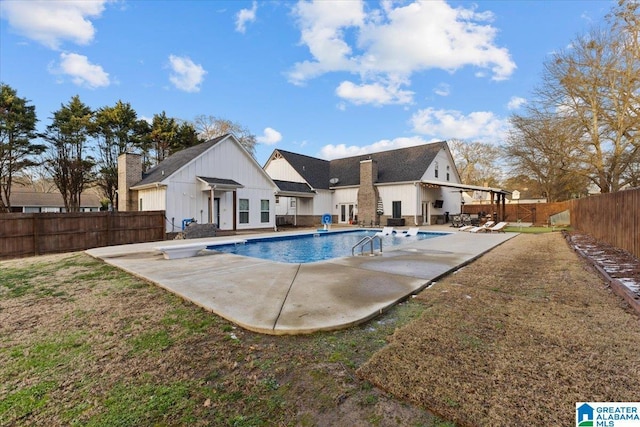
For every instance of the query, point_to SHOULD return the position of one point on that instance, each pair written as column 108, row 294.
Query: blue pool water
column 313, row 247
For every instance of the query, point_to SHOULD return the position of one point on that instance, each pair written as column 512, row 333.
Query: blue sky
column 329, row 79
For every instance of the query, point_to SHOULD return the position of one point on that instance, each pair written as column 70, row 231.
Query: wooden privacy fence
column 27, row 234
column 613, row 218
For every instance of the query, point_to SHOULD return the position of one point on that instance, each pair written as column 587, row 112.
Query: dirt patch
column 516, row 338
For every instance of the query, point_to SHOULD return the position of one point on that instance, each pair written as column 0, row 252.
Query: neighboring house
column 409, row 186
column 26, row 200
column 216, row 182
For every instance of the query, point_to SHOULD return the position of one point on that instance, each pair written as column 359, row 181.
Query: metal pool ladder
column 366, row 240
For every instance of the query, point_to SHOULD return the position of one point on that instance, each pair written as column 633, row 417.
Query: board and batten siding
column 281, row 170
column 226, row 160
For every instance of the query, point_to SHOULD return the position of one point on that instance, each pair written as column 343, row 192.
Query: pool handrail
column 364, row 241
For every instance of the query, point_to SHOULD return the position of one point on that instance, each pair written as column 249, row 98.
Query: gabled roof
column 314, row 171
column 400, row 165
column 171, row 164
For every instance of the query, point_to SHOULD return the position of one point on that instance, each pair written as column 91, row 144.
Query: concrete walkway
column 278, row 298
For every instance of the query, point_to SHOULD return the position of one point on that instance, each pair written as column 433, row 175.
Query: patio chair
column 385, row 231
column 465, row 228
column 410, row 232
column 498, row 228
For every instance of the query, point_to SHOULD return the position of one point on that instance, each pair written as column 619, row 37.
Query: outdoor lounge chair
column 465, row 228
column 385, row 231
column 482, row 228
column 410, row 232
column 498, row 228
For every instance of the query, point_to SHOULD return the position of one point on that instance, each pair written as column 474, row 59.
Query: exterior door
column 347, row 212
column 425, row 213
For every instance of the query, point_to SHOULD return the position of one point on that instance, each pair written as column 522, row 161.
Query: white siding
column 281, row 170
column 443, row 159
column 405, row 193
column 323, row 202
column 226, row 160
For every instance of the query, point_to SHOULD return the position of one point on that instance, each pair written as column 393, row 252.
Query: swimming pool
column 312, row 247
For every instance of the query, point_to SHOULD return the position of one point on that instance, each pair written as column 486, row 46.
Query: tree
column 67, row 160
column 117, row 130
column 209, row 127
column 543, row 148
column 596, row 88
column 476, row 162
column 166, row 136
column 17, row 132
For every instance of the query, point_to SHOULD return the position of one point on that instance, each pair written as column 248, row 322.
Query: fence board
column 613, row 218
column 41, row 233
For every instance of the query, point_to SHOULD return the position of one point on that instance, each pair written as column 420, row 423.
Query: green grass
column 146, row 404
column 534, row 230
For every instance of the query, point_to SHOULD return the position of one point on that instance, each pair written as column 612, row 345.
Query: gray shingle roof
column 293, row 187
column 175, row 161
column 314, row 171
column 220, row 181
column 400, row 165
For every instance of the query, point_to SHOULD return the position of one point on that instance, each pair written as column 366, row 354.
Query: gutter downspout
column 418, row 204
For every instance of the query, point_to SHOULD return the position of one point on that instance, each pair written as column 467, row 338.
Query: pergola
column 498, row 195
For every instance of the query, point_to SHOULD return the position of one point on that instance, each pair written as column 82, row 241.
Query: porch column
column 235, row 210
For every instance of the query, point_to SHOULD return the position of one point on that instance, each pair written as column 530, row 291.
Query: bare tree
column 209, row 127
column 543, row 148
column 595, row 86
column 477, row 162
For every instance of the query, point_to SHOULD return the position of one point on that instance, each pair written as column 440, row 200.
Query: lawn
column 515, row 338
column 83, row 343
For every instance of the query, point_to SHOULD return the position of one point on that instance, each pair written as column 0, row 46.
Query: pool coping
column 277, row 298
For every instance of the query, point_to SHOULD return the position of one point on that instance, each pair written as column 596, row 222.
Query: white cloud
column 186, row 75
column 270, row 137
column 516, row 102
column 443, row 89
column 376, row 93
column 82, row 72
column 390, row 44
column 244, row 16
column 329, row 152
column 50, row 22
column 480, row 126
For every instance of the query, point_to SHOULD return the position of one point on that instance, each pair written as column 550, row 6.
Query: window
column 140, row 205
column 292, row 203
column 243, row 208
column 448, row 173
column 264, row 210
column 277, row 200
column 396, row 209
column 436, row 170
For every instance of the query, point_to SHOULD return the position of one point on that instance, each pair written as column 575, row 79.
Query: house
column 416, row 185
column 216, row 182
column 27, row 200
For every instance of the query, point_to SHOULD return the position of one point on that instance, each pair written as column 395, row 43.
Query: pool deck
column 277, row 298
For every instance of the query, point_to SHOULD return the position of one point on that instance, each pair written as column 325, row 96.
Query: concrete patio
column 278, row 298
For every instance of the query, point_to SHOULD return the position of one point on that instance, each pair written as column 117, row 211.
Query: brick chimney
column 368, row 192
column 129, row 173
